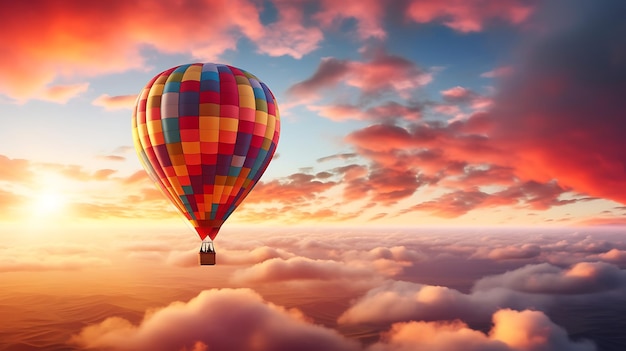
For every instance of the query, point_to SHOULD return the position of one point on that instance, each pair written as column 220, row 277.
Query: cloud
column 387, row 111
column 468, row 16
column 63, row 93
column 534, row 144
column 515, row 252
column 614, row 255
column 115, row 102
column 398, row 301
column 380, row 74
column 343, row 156
column 367, row 14
column 328, row 74
column 288, row 35
column 45, row 263
column 9, row 204
column 114, row 158
column 512, row 331
column 296, row 188
column 532, row 330
column 299, row 268
column 77, row 41
column 15, row 169
column 560, row 112
column 536, row 286
column 581, row 278
column 458, row 94
column 255, row 255
column 138, row 176
column 233, row 319
column 498, row 72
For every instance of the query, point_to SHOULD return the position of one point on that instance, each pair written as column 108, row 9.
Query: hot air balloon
column 205, row 133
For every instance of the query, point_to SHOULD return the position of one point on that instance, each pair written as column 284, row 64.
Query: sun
column 48, row 203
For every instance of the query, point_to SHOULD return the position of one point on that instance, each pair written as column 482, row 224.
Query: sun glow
column 48, row 203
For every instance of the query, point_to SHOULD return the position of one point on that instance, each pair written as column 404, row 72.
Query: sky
column 406, row 112
column 492, row 130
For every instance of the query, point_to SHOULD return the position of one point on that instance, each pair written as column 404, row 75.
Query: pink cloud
column 63, row 93
column 297, row 188
column 288, row 36
column 515, row 252
column 368, row 15
column 381, row 73
column 403, row 301
column 13, row 170
column 537, row 286
column 115, row 102
column 299, row 268
column 328, row 74
column 458, row 94
column 511, row 331
column 138, row 176
column 581, row 278
column 468, row 16
column 498, row 72
column 387, row 73
column 385, row 112
column 245, row 322
column 343, row 156
column 114, row 158
column 614, row 255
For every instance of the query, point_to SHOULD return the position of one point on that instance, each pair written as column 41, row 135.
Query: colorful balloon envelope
column 205, row 134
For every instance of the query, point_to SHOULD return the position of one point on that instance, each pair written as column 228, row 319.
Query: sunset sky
column 395, row 115
column 409, row 112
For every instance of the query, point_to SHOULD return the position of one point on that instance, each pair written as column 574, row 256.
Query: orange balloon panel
column 205, row 134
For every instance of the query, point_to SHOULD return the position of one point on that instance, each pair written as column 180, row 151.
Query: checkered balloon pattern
column 205, row 134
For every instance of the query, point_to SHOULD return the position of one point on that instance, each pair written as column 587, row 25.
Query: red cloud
column 361, row 182
column 560, row 115
column 232, row 320
column 73, row 39
column 554, row 128
column 468, row 16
